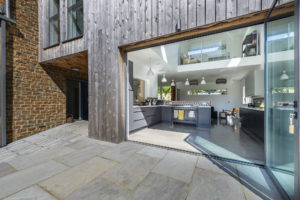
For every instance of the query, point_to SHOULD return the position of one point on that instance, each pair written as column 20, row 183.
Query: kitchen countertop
column 170, row 106
column 256, row 108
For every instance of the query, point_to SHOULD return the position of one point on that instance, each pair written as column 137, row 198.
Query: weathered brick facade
column 36, row 95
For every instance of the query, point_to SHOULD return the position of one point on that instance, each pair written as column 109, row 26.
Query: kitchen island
column 145, row 116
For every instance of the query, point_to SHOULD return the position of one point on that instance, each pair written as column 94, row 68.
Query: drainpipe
column 3, row 74
column 7, row 7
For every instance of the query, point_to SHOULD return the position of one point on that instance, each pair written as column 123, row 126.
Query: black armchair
column 214, row 114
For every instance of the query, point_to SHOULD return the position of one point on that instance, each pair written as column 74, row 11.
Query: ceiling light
column 284, row 76
column 150, row 72
column 187, row 82
column 75, row 69
column 164, row 79
column 173, row 83
column 203, row 82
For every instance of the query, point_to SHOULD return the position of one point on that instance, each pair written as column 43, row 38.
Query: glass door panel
column 280, row 96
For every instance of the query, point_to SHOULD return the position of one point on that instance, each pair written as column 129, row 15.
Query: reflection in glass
column 53, row 22
column 221, row 46
column 75, row 18
column 280, row 101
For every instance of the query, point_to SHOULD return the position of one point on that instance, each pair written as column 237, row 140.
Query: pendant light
column 173, row 83
column 203, row 82
column 150, row 72
column 284, row 76
column 187, row 82
column 164, row 79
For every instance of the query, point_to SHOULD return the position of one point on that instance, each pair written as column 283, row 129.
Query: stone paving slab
column 25, row 161
column 6, row 155
column 153, row 152
column 21, row 179
column 160, row 187
column 63, row 184
column 32, row 193
column 177, row 165
column 132, row 171
column 122, row 151
column 6, row 169
column 100, row 189
column 77, row 157
column 18, row 145
column 87, row 142
column 211, row 186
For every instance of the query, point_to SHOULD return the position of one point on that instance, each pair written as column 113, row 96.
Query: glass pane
column 1, row 119
column 54, row 7
column 280, row 101
column 72, row 2
column 54, row 32
column 75, row 22
column 243, row 42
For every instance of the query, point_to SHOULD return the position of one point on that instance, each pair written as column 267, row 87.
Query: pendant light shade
column 187, row 82
column 173, row 83
column 203, row 82
column 284, row 76
column 150, row 72
column 164, row 79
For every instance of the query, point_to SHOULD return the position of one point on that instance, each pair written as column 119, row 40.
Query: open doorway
column 204, row 95
column 77, row 99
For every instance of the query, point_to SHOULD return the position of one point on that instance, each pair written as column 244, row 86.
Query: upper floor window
column 75, row 18
column 53, row 22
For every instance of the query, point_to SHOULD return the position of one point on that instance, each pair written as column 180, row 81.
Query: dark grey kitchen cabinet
column 144, row 117
column 166, row 114
column 204, row 117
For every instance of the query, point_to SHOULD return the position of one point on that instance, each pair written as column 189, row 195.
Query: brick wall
column 36, row 95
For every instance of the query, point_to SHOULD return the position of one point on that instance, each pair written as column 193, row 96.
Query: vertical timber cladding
column 111, row 24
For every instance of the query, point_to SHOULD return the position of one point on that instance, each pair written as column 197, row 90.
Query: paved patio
column 63, row 163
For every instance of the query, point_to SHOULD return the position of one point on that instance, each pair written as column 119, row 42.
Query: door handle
column 292, row 126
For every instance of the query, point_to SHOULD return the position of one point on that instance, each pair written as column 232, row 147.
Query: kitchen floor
column 63, row 163
column 224, row 139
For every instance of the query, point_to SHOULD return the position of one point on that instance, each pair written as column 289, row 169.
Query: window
column 53, row 22
column 207, row 92
column 75, row 18
column 164, row 93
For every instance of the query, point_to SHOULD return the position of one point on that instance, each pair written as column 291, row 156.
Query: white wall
column 140, row 72
column 233, row 99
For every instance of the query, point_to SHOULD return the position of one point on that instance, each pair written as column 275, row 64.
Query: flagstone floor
column 63, row 163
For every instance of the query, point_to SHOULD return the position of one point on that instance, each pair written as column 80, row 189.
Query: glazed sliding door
column 1, row 98
column 281, row 102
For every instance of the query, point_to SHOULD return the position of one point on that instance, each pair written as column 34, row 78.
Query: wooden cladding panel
column 231, row 10
column 210, row 14
column 220, row 10
column 111, row 24
column 200, row 12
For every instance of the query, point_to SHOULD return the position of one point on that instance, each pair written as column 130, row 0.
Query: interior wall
column 233, row 99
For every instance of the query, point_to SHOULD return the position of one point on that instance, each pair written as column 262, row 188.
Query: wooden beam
column 235, row 22
column 78, row 60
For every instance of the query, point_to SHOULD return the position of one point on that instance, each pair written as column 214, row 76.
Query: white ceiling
column 168, row 64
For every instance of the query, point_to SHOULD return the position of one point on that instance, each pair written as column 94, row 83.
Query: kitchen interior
column 205, row 94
